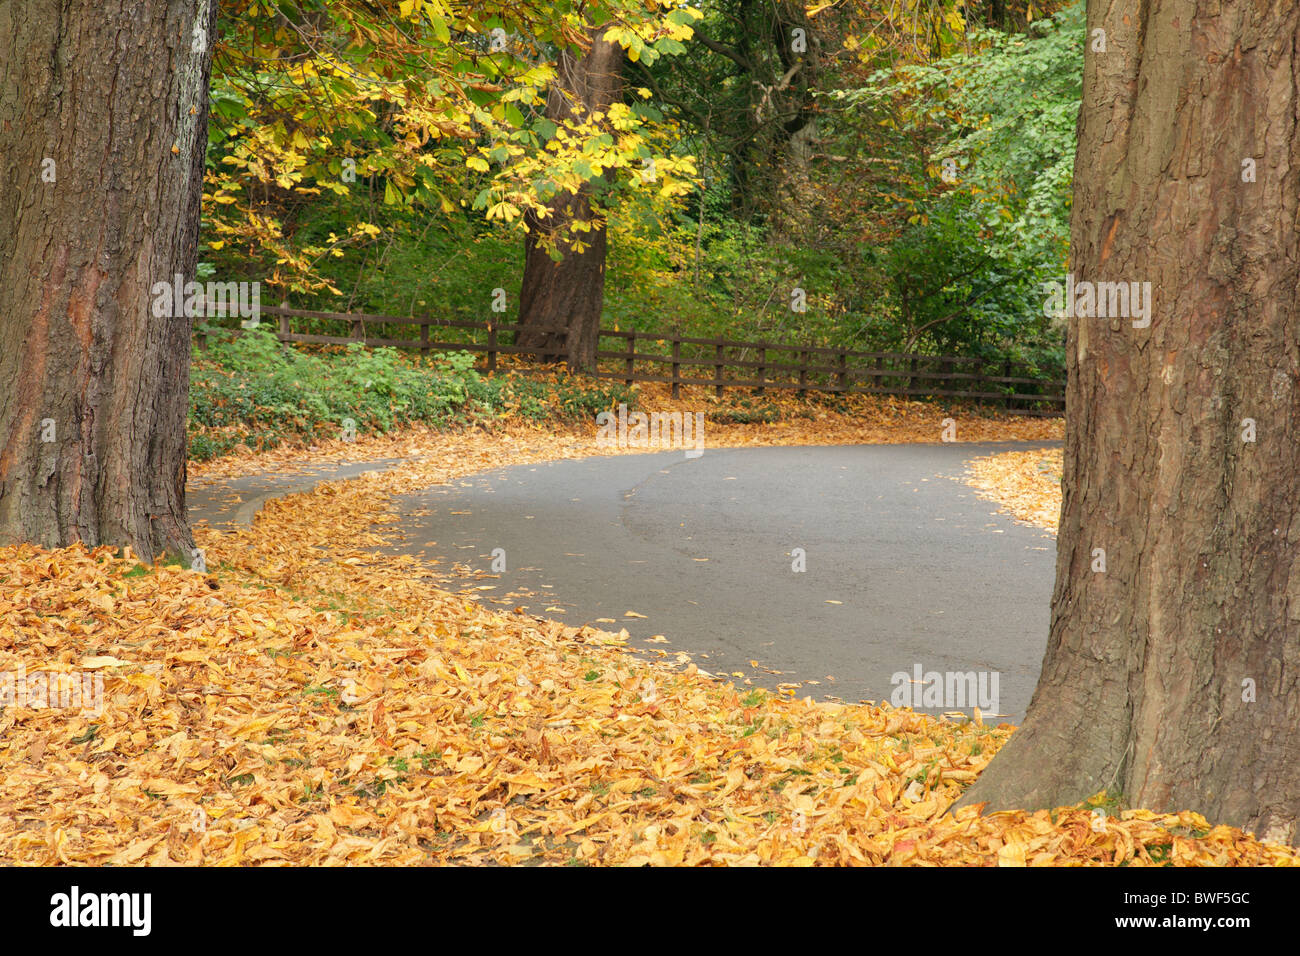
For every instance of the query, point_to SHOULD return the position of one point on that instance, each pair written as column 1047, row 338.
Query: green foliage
column 254, row 391
column 890, row 254
column 741, row 288
column 1013, row 108
column 746, row 412
column 960, row 291
column 989, row 221
column 427, row 105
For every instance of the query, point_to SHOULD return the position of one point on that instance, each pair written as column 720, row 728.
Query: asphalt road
column 905, row 568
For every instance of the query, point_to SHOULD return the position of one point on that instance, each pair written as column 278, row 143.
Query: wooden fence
column 717, row 363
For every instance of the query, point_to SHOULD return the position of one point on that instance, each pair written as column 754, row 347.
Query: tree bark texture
column 1173, row 676
column 103, row 130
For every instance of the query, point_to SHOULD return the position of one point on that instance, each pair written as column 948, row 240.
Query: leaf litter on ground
column 1026, row 484
column 313, row 701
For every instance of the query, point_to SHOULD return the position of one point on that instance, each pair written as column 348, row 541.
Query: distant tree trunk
column 103, row 130
column 564, row 299
column 1173, row 676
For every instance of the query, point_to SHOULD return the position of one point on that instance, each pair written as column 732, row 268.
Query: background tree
column 562, row 297
column 103, row 127
column 346, row 132
column 1170, row 677
column 395, row 157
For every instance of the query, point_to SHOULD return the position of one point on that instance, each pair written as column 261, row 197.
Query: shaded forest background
column 874, row 174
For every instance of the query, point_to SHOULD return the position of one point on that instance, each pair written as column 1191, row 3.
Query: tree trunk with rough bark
column 1172, row 677
column 564, row 299
column 103, row 130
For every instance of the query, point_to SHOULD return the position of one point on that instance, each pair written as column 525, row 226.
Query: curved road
column 905, row 568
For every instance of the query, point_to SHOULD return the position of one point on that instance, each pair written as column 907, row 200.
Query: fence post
column 803, row 373
column 717, row 370
column 1010, row 385
column 762, row 370
column 492, row 346
column 284, row 321
column 677, row 368
column 424, row 334
column 358, row 330
column 630, row 361
column 844, row 370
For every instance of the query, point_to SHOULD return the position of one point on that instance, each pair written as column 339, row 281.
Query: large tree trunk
column 103, row 129
column 1147, row 684
column 564, row 299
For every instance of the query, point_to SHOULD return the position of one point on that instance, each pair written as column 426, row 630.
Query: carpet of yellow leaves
column 314, row 702
column 1026, row 484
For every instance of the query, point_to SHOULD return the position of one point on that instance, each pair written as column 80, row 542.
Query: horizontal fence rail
column 717, row 363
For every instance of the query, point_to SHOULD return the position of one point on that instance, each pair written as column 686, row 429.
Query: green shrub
column 253, row 390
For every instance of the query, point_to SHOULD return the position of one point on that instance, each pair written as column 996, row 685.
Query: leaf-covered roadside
column 243, row 725
column 312, row 702
column 249, row 417
column 1025, row 484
